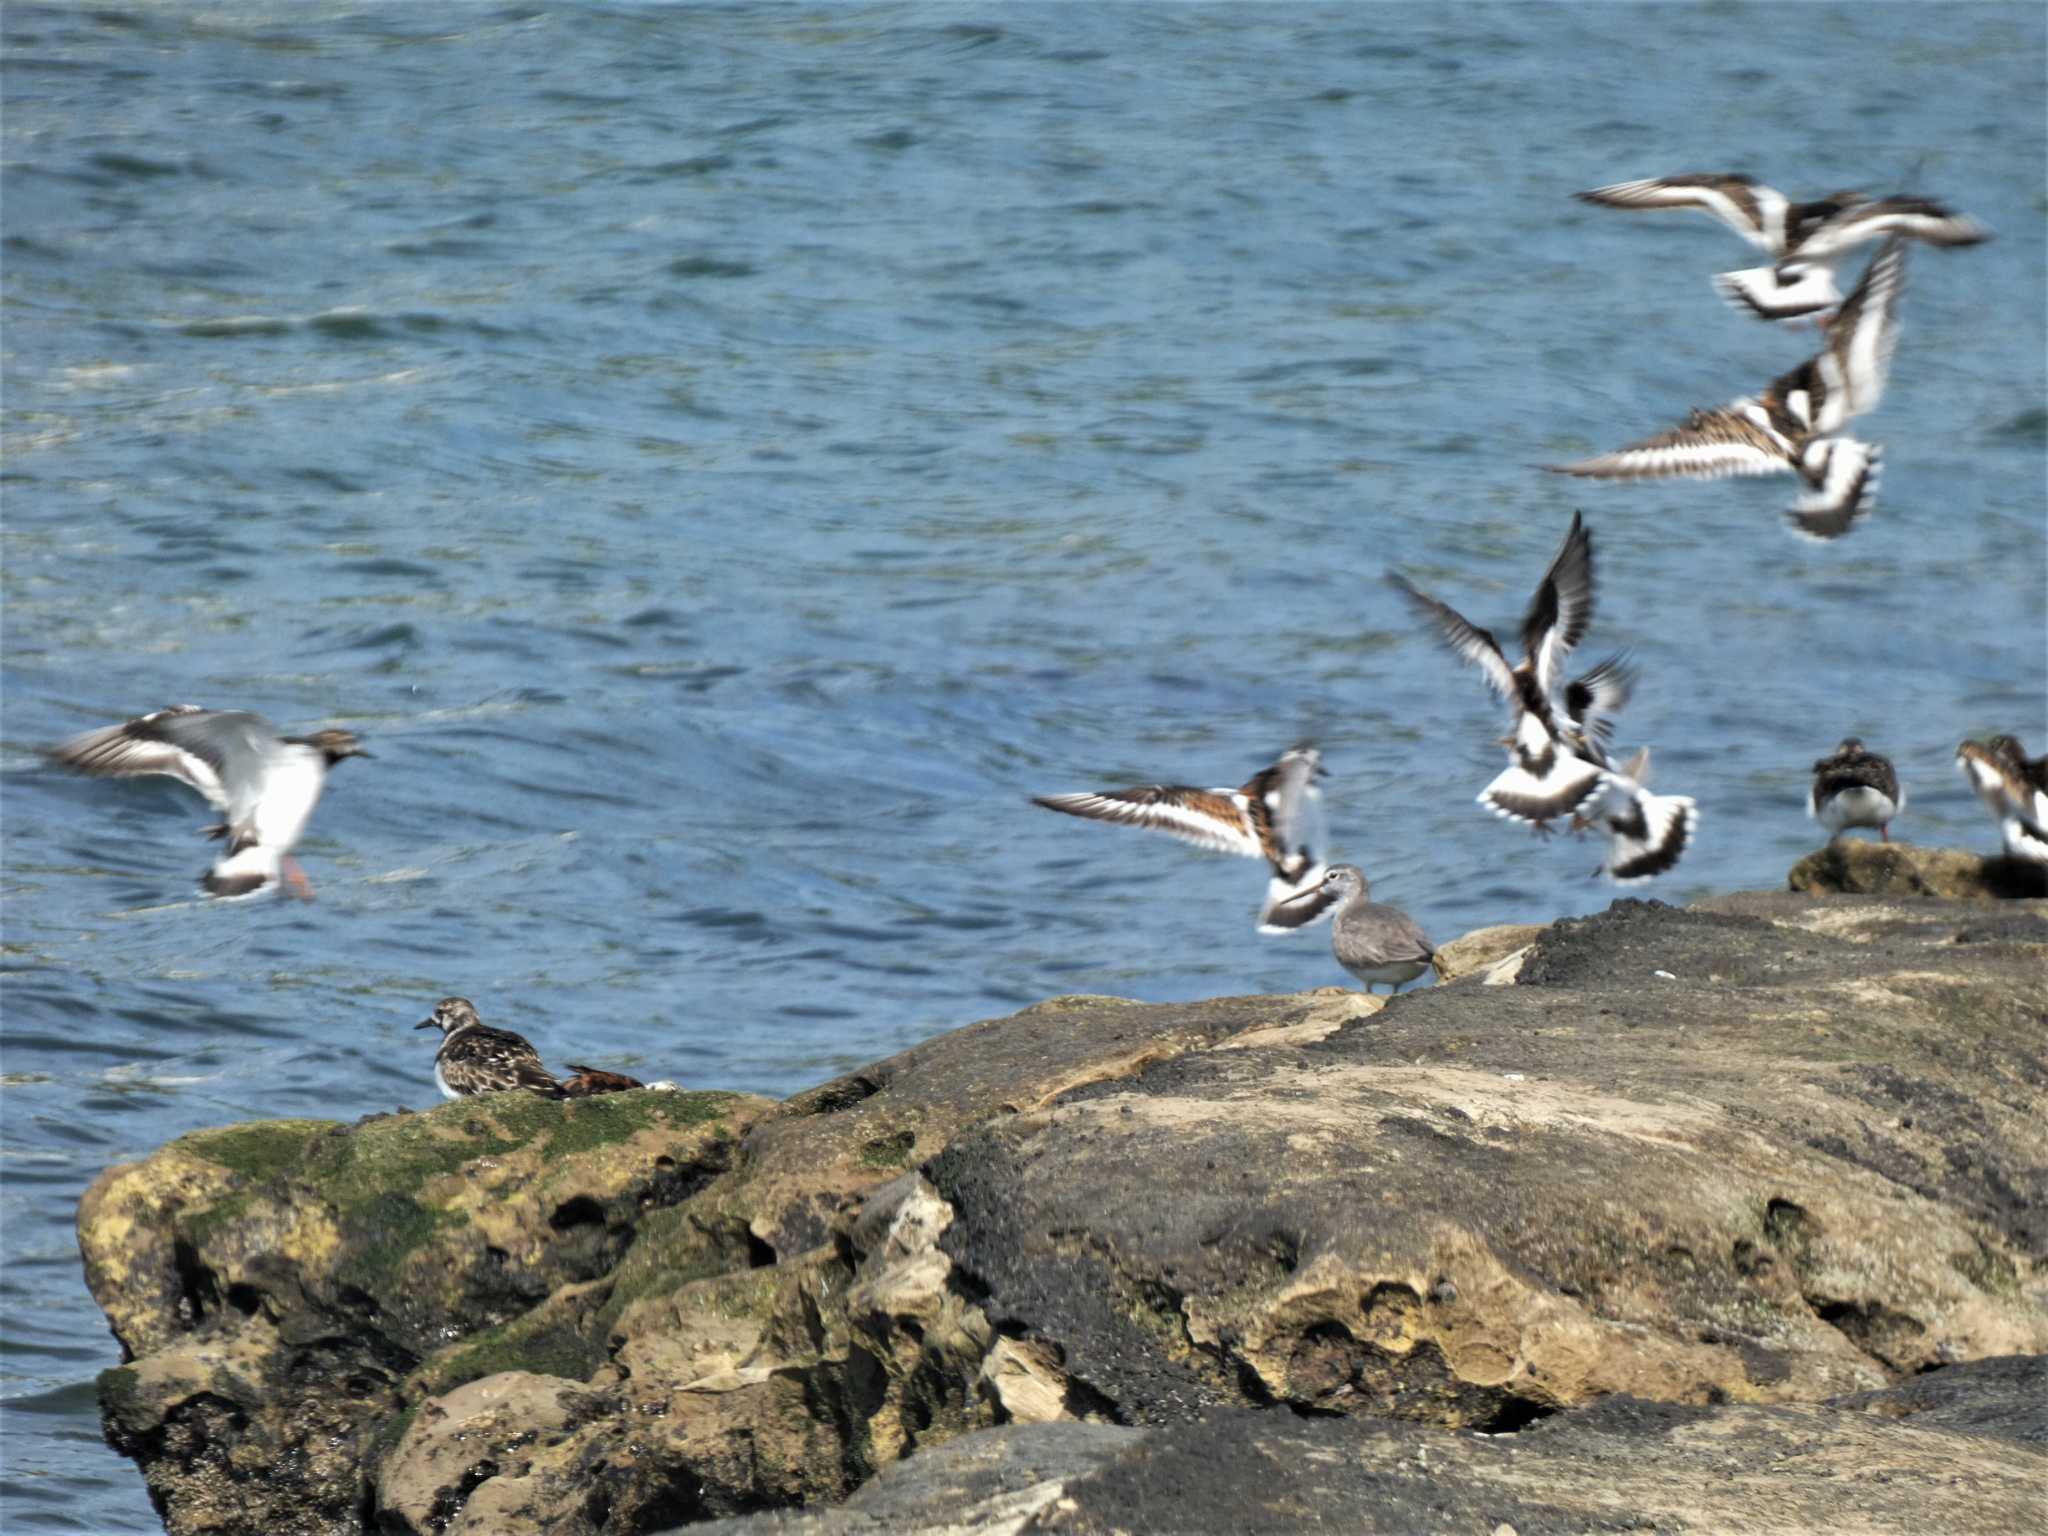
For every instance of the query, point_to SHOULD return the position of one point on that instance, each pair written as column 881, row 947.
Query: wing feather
column 1561, row 610
column 1709, row 446
column 163, row 742
column 1471, row 643
column 1754, row 211
column 1857, row 359
column 1209, row 818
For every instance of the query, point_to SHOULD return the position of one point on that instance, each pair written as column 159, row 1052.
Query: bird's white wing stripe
column 1693, row 461
column 112, row 752
column 1176, row 820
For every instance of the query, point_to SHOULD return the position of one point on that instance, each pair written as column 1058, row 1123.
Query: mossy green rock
column 242, row 1267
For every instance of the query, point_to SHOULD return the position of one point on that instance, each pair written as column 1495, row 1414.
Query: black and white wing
column 1910, row 218
column 1857, row 359
column 1597, row 695
column 1787, row 291
column 1471, row 643
column 204, row 748
column 1710, row 445
column 1561, row 610
column 1215, row 819
column 1754, row 211
column 1844, row 475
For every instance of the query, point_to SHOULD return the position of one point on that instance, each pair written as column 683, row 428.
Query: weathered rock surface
column 1962, row 1449
column 1767, row 1152
column 1484, row 948
column 1855, row 866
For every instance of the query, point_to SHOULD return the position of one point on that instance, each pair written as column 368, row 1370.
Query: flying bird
column 1545, row 778
column 1805, row 241
column 1274, row 815
column 1647, row 833
column 263, row 784
column 1796, row 425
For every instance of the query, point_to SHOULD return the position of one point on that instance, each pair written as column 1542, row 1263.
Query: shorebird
column 1545, row 778
column 1855, row 788
column 1647, row 834
column 2014, row 789
column 1590, row 702
column 264, row 784
column 1374, row 942
column 1805, row 241
column 1795, row 425
column 589, row 1081
column 1274, row 815
column 475, row 1058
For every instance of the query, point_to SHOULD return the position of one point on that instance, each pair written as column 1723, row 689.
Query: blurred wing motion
column 1274, row 815
column 1754, row 211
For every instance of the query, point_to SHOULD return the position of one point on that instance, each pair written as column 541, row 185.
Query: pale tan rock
column 1481, row 948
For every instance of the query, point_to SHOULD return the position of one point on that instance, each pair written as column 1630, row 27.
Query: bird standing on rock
column 1374, row 942
column 2014, row 789
column 476, row 1058
column 1855, row 788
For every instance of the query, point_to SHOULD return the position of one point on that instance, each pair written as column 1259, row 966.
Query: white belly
column 1859, row 807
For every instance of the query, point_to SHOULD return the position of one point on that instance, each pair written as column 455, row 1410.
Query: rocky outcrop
column 1767, row 1152
column 1964, row 1449
column 1854, row 866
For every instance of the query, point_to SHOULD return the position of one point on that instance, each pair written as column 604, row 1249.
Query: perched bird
column 1545, row 778
column 1273, row 815
column 1795, row 425
column 264, row 784
column 1647, row 834
column 1374, row 942
column 2014, row 789
column 1855, row 788
column 589, row 1081
column 1806, row 241
column 475, row 1058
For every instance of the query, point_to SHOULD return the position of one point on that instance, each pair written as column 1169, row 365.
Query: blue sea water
column 724, row 459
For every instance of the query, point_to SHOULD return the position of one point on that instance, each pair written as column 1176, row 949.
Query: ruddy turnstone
column 589, row 1081
column 1546, row 779
column 1374, row 942
column 475, row 1058
column 1591, row 701
column 2015, row 791
column 264, row 784
column 1647, row 834
column 1806, row 241
column 1855, row 788
column 1273, row 815
column 1795, row 425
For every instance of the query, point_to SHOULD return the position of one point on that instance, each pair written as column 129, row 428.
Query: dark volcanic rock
column 1766, row 1152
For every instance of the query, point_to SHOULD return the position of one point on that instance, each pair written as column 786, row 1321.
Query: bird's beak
column 427, row 1024
column 1322, row 772
column 362, row 752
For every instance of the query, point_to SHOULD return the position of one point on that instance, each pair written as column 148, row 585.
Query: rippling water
column 724, row 460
